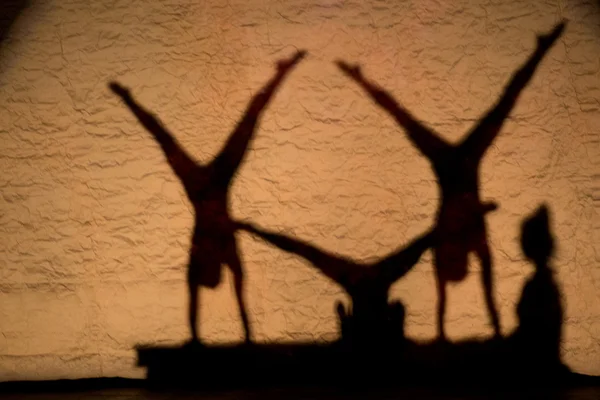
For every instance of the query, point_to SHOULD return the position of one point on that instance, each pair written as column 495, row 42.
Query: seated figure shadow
column 462, row 230
column 540, row 311
column 207, row 187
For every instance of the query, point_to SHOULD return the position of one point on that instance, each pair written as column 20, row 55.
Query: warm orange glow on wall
column 95, row 227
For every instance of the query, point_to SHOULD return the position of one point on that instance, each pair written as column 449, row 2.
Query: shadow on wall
column 529, row 356
column 540, row 310
column 460, row 221
column 207, row 188
column 372, row 348
column 9, row 12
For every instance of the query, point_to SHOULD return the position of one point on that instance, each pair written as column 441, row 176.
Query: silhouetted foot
column 351, row 70
column 118, row 89
column 284, row 65
column 545, row 41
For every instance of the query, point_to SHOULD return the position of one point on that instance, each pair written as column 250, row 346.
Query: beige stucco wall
column 95, row 227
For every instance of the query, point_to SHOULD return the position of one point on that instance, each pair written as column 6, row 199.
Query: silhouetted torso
column 211, row 210
column 458, row 175
column 540, row 315
column 457, row 172
column 461, row 228
column 373, row 321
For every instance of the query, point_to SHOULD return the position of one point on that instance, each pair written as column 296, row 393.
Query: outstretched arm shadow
column 338, row 269
column 213, row 240
column 399, row 263
column 345, row 271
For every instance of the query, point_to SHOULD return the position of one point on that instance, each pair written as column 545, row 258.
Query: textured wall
column 95, row 227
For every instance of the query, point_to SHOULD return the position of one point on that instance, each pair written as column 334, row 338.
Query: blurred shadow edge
column 477, row 364
column 9, row 12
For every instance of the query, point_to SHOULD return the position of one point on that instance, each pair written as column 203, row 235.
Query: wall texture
column 95, row 227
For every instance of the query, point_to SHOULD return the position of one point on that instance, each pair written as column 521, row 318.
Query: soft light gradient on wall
column 95, row 227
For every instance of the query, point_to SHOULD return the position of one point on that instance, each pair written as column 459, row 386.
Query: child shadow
column 540, row 312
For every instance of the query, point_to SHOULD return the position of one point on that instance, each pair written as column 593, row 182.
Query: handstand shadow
column 207, row 188
column 462, row 229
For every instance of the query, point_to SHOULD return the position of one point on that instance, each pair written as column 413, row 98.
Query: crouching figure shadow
column 207, row 187
column 366, row 284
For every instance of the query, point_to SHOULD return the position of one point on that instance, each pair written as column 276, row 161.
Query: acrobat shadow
column 462, row 228
column 207, row 188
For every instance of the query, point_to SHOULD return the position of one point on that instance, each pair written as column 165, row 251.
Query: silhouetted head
column 536, row 239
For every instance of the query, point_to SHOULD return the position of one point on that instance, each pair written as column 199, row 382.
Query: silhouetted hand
column 119, row 90
column 351, row 70
column 545, row 41
column 284, row 65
